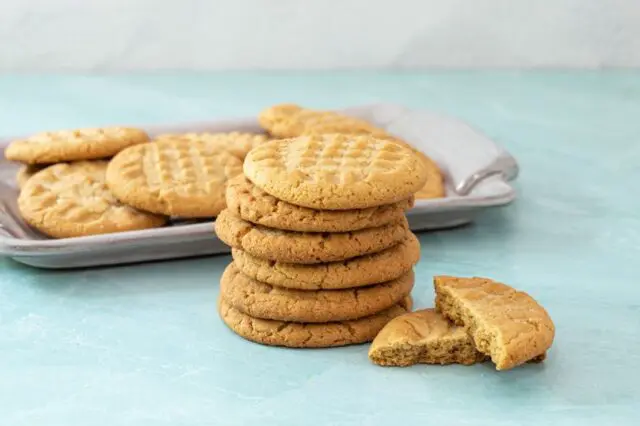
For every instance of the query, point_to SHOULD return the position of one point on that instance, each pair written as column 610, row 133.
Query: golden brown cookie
column 72, row 200
column 237, row 143
column 173, row 178
column 336, row 172
column 301, row 335
column 252, row 204
column 74, row 145
column 423, row 337
column 360, row 271
column 25, row 172
column 434, row 188
column 290, row 121
column 261, row 300
column 306, row 247
column 506, row 324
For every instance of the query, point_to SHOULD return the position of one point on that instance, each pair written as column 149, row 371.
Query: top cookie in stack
column 289, row 120
column 322, row 251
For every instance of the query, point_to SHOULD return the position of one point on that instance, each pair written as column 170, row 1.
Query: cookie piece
column 72, row 200
column 252, row 204
column 74, row 145
column 261, row 300
column 336, row 172
column 360, row 271
column 237, row 143
column 300, row 335
column 423, row 337
column 506, row 324
column 306, row 247
column 26, row 171
column 174, row 178
column 290, row 121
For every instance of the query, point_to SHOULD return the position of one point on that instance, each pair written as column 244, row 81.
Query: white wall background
column 111, row 35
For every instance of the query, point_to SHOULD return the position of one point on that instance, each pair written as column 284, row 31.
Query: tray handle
column 504, row 165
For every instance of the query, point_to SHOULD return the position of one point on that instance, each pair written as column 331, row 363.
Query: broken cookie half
column 475, row 319
column 423, row 337
column 505, row 324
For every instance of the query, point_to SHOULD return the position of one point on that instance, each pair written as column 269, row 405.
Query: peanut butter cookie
column 506, row 324
column 423, row 337
column 360, row 271
column 74, row 145
column 301, row 335
column 434, row 187
column 306, row 247
column 336, row 172
column 72, row 200
column 237, row 143
column 252, row 204
column 25, row 172
column 173, row 178
column 290, row 121
column 261, row 300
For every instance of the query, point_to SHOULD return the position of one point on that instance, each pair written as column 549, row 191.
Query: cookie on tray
column 359, row 271
column 237, row 143
column 290, row 121
column 434, row 187
column 505, row 324
column 26, row 171
column 308, row 335
column 423, row 337
column 74, row 145
column 173, row 178
column 72, row 200
column 252, row 204
column 306, row 247
column 261, row 300
column 336, row 172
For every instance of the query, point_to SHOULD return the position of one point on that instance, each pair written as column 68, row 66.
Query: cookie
column 290, row 121
column 261, row 300
column 423, row 337
column 74, row 145
column 336, row 172
column 174, row 178
column 72, row 200
column 306, row 247
column 301, row 335
column 506, row 324
column 434, row 187
column 25, row 172
column 237, row 143
column 252, row 204
column 360, row 271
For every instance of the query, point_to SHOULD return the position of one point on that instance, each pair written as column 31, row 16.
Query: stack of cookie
column 71, row 187
column 322, row 253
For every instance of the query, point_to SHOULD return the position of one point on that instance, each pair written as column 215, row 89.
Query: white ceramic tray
column 476, row 170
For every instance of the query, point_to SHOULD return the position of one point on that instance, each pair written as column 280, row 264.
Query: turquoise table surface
column 143, row 345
